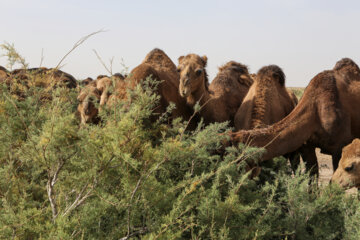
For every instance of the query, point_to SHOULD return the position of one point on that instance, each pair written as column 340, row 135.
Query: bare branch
column 109, row 70
column 50, row 189
column 79, row 199
column 192, row 116
column 135, row 233
column 77, row 44
column 42, row 57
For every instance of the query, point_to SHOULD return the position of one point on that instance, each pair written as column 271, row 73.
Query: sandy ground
column 325, row 166
column 326, row 170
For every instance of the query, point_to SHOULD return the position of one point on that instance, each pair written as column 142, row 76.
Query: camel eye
column 198, row 72
column 350, row 168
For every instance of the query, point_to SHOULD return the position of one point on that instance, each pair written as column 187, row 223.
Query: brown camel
column 20, row 79
column 267, row 100
column 220, row 100
column 156, row 65
column 325, row 117
column 44, row 77
column 348, row 172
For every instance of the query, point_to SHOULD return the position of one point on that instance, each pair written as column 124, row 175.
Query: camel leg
column 294, row 159
column 309, row 157
column 335, row 160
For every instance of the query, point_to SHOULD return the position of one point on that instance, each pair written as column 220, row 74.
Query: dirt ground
column 326, row 170
column 325, row 167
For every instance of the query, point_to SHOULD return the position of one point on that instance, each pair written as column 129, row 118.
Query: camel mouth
column 183, row 93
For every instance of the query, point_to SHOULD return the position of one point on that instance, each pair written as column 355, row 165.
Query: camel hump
column 347, row 68
column 159, row 60
column 48, row 75
column 273, row 72
column 345, row 63
column 119, row 76
column 101, row 76
column 235, row 66
column 239, row 68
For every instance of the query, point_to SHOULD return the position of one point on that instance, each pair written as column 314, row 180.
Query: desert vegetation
column 142, row 173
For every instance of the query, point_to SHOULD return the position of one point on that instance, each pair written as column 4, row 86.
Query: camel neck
column 201, row 95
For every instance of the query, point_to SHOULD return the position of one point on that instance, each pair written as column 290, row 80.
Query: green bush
column 129, row 177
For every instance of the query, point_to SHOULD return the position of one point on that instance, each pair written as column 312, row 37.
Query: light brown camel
column 87, row 98
column 95, row 91
column 267, row 101
column 326, row 117
column 220, row 100
column 348, row 172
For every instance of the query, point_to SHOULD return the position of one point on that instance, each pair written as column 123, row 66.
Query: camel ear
column 204, row 58
column 180, row 59
column 244, row 76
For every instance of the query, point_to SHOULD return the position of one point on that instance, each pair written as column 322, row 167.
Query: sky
column 303, row 37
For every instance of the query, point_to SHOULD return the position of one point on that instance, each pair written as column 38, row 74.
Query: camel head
column 193, row 75
column 240, row 70
column 348, row 173
column 86, row 108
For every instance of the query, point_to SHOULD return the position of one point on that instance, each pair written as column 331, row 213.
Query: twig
column 79, row 199
column 77, row 44
column 102, row 62
column 42, row 57
column 50, row 189
column 192, row 116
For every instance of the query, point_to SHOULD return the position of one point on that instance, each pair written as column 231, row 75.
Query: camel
column 86, row 110
column 220, row 100
column 156, row 65
column 325, row 117
column 20, row 79
column 95, row 90
column 267, row 101
column 44, row 77
column 348, row 172
column 4, row 73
